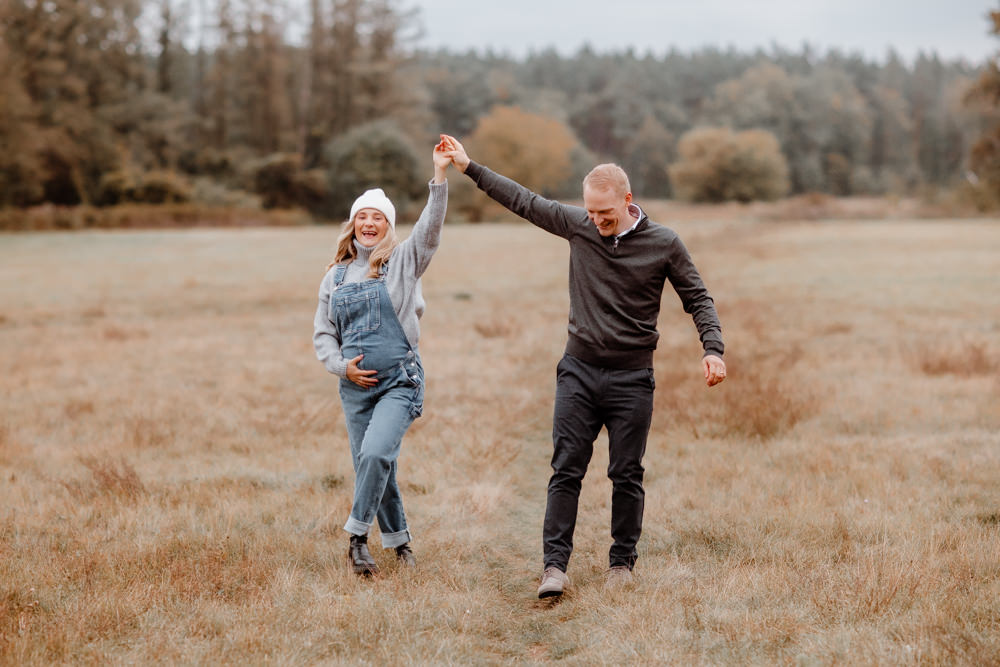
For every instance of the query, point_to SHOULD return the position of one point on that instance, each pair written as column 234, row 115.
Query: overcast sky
column 953, row 29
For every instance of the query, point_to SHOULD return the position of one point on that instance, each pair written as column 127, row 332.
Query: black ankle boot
column 361, row 560
column 404, row 554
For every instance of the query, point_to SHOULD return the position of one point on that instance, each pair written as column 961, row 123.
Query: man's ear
column 628, row 198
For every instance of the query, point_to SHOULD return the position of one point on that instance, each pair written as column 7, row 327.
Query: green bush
column 210, row 192
column 281, row 182
column 716, row 164
column 116, row 187
column 121, row 186
column 207, row 161
column 162, row 187
column 373, row 155
column 979, row 196
column 274, row 177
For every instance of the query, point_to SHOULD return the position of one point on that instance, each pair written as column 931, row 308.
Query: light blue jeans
column 377, row 419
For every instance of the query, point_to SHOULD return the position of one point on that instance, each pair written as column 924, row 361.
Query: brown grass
column 174, row 469
column 968, row 359
column 116, row 479
column 143, row 216
column 817, row 206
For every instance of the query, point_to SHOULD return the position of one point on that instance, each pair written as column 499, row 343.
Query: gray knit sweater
column 402, row 280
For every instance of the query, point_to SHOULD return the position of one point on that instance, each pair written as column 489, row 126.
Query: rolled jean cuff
column 355, row 527
column 392, row 540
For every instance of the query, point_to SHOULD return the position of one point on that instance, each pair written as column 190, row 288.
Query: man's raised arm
column 550, row 215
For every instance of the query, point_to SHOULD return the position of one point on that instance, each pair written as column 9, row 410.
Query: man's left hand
column 456, row 151
column 715, row 369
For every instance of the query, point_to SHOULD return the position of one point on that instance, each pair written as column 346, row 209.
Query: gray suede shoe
column 404, row 554
column 361, row 560
column 554, row 581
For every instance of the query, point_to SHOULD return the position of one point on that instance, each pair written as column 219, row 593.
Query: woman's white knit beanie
column 377, row 200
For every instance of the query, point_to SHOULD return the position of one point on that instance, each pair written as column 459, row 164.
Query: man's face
column 370, row 227
column 607, row 210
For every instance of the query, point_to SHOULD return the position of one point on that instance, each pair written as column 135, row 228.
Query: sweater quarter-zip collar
column 632, row 209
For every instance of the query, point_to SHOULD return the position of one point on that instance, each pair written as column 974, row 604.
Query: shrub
column 207, row 161
column 373, row 155
column 647, row 153
column 530, row 148
column 534, row 149
column 116, row 187
column 281, row 182
column 210, row 192
column 121, row 186
column 976, row 195
column 162, row 187
column 717, row 165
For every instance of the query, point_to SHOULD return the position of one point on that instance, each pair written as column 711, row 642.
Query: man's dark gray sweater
column 615, row 283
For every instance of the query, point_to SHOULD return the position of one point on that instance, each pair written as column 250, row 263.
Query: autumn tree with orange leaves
column 984, row 157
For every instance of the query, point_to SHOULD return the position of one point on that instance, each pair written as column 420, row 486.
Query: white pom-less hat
column 377, row 200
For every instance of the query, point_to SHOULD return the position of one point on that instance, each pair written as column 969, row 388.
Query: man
column 619, row 262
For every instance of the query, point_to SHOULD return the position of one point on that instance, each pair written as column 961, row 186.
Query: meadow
column 174, row 470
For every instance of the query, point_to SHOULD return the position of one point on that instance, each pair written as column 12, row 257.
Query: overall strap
column 338, row 276
column 390, row 320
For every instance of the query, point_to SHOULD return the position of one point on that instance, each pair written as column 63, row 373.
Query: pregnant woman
column 366, row 331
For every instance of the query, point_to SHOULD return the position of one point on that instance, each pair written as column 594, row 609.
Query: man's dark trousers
column 587, row 398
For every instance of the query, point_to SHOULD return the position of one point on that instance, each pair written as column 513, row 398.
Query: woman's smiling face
column 370, row 226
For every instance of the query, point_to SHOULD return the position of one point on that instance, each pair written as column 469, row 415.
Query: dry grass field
column 174, row 468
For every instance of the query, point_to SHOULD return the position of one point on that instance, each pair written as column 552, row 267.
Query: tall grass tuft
column 114, row 479
column 756, row 402
column 964, row 360
column 17, row 611
column 494, row 327
column 763, row 406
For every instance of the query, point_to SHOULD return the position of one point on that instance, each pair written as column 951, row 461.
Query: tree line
column 229, row 109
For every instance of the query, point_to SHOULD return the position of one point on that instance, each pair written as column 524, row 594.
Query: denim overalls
column 377, row 417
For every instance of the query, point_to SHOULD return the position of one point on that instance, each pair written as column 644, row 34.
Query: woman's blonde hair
column 380, row 254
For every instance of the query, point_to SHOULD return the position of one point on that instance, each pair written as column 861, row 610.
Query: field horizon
column 174, row 471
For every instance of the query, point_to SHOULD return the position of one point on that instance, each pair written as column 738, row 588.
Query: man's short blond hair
column 608, row 176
